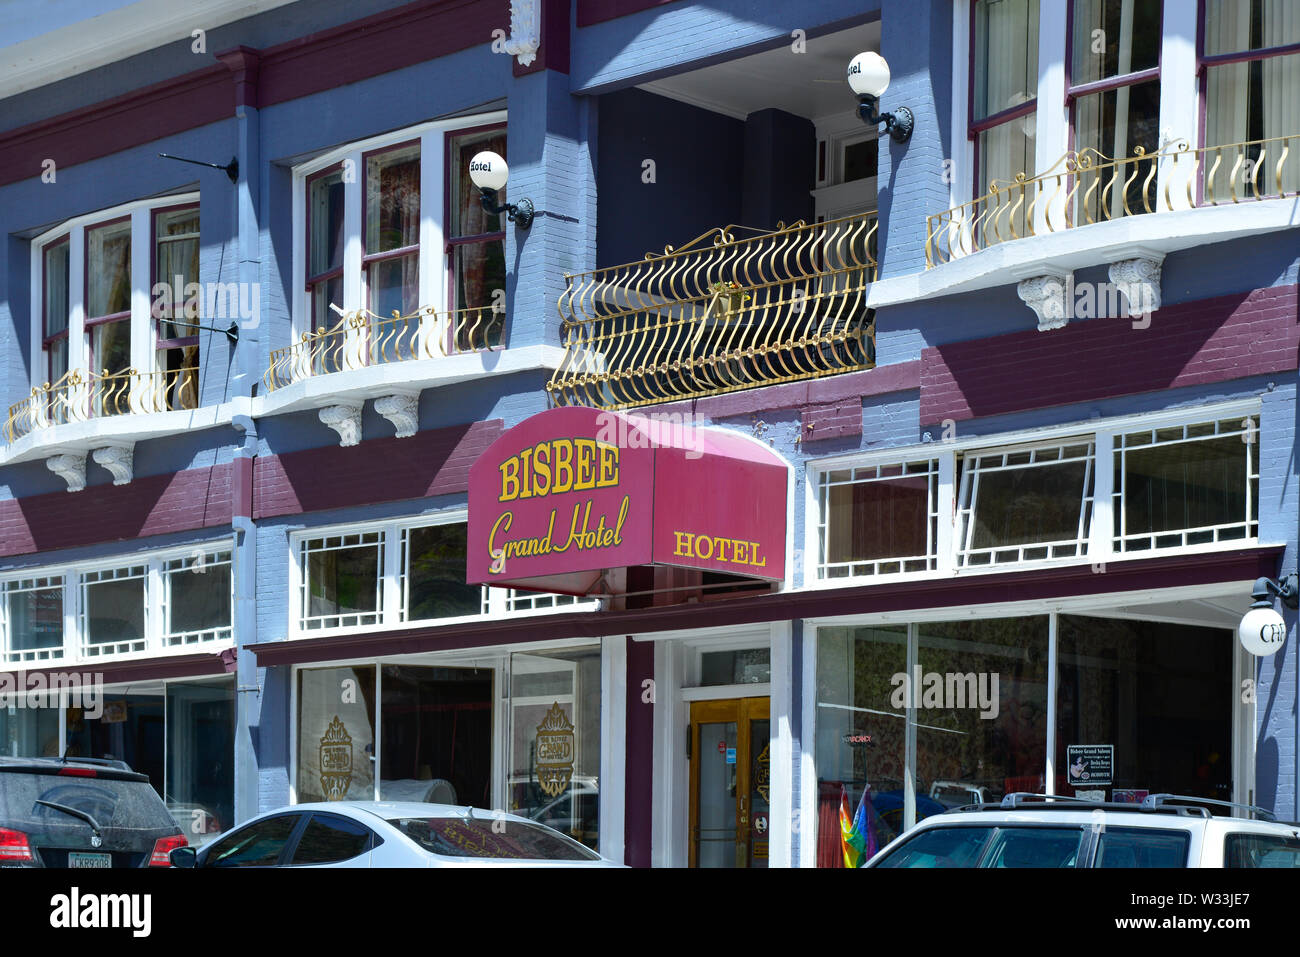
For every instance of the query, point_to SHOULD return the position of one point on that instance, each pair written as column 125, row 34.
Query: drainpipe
column 243, row 64
column 248, row 697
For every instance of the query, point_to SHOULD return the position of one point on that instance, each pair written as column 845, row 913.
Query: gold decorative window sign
column 554, row 752
column 336, row 761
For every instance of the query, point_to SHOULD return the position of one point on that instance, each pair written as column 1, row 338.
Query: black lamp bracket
column 898, row 124
column 231, row 169
column 1288, row 590
column 231, row 331
column 521, row 213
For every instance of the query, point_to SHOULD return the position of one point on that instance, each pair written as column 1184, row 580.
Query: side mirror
column 183, row 857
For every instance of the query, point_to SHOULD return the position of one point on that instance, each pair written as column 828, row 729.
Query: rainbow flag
column 857, row 834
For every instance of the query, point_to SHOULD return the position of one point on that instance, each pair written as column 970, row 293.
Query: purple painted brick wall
column 150, row 505
column 1194, row 343
column 434, row 462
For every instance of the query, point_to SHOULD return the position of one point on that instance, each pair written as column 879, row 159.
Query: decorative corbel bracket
column 118, row 459
column 1046, row 294
column 71, row 467
column 345, row 419
column 525, row 30
column 1138, row 278
column 403, row 410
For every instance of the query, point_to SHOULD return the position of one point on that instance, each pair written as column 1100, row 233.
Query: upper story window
column 100, row 314
column 1114, row 92
column 1004, row 89
column 1250, row 75
column 393, row 231
column 145, row 605
column 1131, row 487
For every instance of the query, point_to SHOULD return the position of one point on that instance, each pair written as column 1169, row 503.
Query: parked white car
column 1033, row 830
column 390, row 834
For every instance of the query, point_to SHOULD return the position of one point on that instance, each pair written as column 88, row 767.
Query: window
column 1025, row 504
column 940, row 847
column 330, row 839
column 199, row 756
column 1141, row 847
column 146, row 605
column 108, row 309
column 54, row 338
column 475, row 238
column 113, row 610
column 486, row 839
column 343, row 580
column 1194, row 484
column 1260, row 850
column 196, row 598
column 336, row 734
column 1004, row 95
column 384, row 575
column 176, row 263
column 392, row 230
column 325, row 238
column 747, row 666
column 879, row 520
column 33, row 619
column 1250, row 73
column 258, row 845
column 1114, row 95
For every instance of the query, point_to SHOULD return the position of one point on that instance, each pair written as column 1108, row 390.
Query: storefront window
column 555, row 740
column 879, row 520
column 200, row 757
column 336, row 734
column 30, row 731
column 128, row 728
column 747, row 666
column 861, row 732
column 437, row 735
column 1156, row 697
column 981, row 718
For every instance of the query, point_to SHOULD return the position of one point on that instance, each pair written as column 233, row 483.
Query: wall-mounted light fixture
column 489, row 173
column 868, row 77
column 1262, row 630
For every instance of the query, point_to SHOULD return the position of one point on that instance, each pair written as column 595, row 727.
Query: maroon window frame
column 1205, row 61
column 160, row 342
column 452, row 243
column 313, row 281
column 48, row 339
column 91, row 322
column 371, row 259
column 976, row 127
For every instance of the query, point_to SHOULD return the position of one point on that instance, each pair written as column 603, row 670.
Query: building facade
column 780, row 459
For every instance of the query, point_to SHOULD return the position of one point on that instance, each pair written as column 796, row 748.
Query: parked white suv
column 1035, row 830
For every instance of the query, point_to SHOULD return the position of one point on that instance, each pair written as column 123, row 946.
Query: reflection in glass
column 201, row 756
column 336, row 734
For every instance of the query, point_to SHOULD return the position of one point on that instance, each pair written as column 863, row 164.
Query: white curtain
column 1281, row 82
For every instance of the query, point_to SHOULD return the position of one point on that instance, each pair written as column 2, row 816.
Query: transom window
column 1025, row 504
column 879, row 520
column 148, row 605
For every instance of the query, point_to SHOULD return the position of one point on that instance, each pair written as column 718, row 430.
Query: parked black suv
column 81, row 812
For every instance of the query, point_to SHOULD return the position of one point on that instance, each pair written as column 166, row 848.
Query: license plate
column 81, row 859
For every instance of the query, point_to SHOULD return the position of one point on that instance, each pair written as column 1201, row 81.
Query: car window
column 258, row 845
column 112, row 803
column 940, row 847
column 1141, row 847
column 330, row 839
column 1035, row 847
column 491, row 839
column 1261, row 850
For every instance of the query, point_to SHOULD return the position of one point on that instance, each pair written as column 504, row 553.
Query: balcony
column 1085, row 188
column 81, row 397
column 363, row 340
column 720, row 314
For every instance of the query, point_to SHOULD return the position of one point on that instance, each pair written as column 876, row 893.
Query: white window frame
column 905, row 470
column 144, row 330
column 154, row 642
column 34, row 581
column 433, row 270
column 1098, row 537
column 196, row 562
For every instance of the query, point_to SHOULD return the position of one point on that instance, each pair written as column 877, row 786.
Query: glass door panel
column 730, row 783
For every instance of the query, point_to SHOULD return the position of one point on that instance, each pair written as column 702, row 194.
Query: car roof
column 387, row 810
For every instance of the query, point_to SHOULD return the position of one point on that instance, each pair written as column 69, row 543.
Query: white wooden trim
column 781, row 793
column 726, row 692
column 1053, row 626
column 1052, row 137
column 613, row 746
column 808, row 753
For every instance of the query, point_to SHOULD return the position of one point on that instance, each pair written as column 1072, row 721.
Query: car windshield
column 503, row 839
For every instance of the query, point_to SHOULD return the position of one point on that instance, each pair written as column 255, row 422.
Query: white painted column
column 781, row 814
column 808, row 752
column 353, row 248
column 433, row 271
column 1101, row 534
column 945, row 533
column 1179, row 103
column 613, row 745
column 142, row 332
column 77, row 352
column 1049, row 770
column 1053, row 130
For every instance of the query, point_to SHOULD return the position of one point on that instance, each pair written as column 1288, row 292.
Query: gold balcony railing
column 1086, row 187
column 720, row 314
column 362, row 339
column 76, row 397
